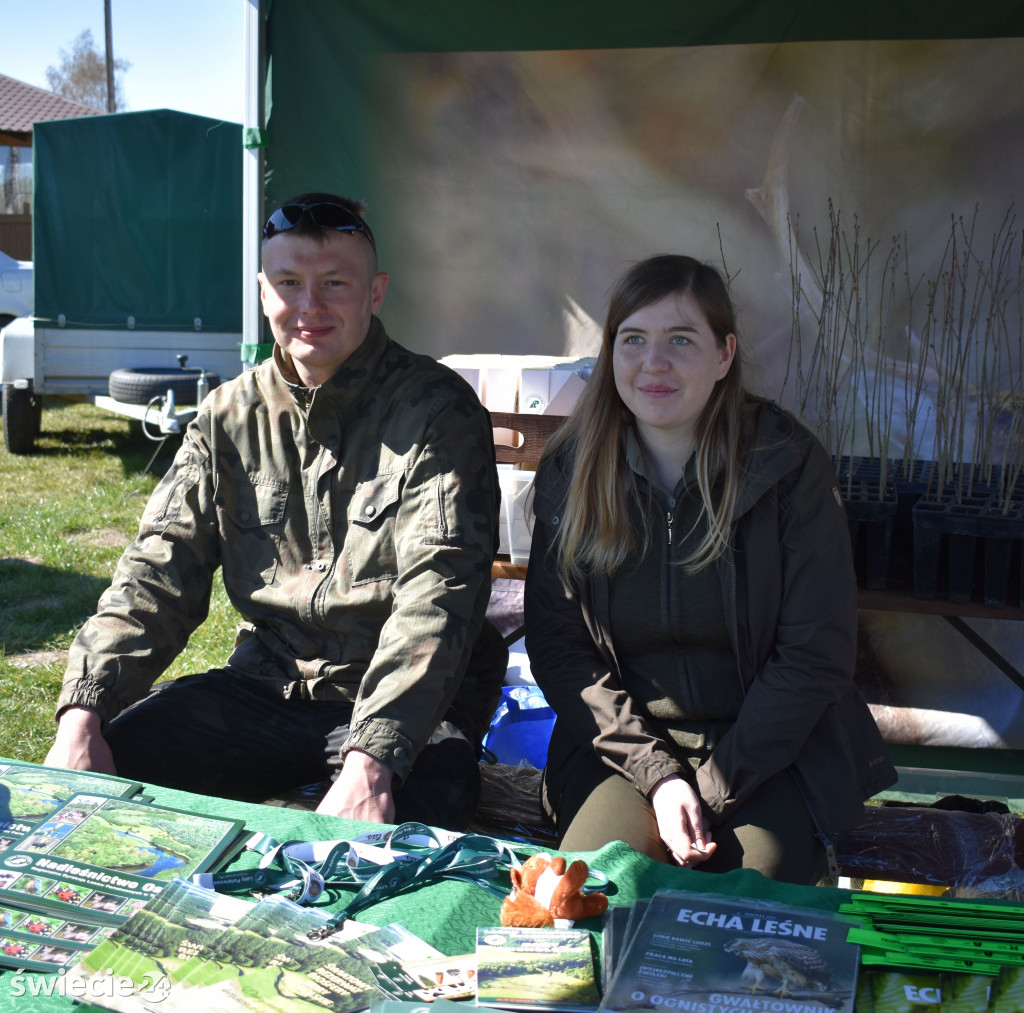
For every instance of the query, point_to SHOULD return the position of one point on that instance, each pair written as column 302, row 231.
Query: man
column 347, row 489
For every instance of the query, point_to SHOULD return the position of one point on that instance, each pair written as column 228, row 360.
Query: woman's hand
column 681, row 821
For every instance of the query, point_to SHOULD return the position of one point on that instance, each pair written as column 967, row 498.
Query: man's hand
column 681, row 821
column 362, row 791
column 79, row 743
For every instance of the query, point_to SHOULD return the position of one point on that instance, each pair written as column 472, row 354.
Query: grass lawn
column 66, row 513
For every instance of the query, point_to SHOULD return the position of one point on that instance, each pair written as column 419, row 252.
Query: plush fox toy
column 546, row 893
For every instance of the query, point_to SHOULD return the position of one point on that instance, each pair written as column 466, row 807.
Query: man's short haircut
column 306, row 228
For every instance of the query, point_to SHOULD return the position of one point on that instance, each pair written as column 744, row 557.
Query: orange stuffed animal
column 546, row 892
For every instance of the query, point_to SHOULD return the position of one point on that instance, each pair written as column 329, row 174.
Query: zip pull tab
column 669, row 516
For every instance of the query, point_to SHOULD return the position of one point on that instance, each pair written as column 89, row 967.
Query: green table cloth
column 446, row 913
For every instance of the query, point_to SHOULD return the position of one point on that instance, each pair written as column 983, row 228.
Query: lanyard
column 470, row 858
column 305, row 868
column 381, row 863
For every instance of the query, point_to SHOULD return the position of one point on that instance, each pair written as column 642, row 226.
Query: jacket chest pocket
column 370, row 552
column 547, row 508
column 255, row 523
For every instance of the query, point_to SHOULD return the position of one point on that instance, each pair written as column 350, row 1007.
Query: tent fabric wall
column 516, row 157
column 318, row 109
column 508, row 186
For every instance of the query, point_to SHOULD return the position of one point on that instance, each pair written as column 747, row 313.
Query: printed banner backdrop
column 861, row 182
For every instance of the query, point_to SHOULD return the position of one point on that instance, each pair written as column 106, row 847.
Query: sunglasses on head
column 324, row 215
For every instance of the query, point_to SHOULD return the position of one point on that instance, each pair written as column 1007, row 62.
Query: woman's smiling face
column 666, row 361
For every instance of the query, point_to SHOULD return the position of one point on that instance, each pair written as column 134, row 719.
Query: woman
column 691, row 604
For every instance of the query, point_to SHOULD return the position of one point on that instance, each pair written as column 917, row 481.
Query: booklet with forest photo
column 202, row 950
column 706, row 952
column 30, row 793
column 106, row 857
column 550, row 969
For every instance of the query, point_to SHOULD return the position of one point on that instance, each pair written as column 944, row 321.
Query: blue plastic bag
column 521, row 727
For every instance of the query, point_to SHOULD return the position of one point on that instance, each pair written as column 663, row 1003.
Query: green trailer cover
column 139, row 216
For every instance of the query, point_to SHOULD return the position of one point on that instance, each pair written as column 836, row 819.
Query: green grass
column 66, row 513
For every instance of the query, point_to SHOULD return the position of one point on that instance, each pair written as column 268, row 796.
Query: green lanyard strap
column 471, row 858
column 382, row 863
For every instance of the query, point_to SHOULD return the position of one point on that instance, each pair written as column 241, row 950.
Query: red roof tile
column 22, row 104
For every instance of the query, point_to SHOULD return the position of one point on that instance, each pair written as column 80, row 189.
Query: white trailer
column 137, row 262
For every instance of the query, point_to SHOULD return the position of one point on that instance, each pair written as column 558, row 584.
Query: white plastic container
column 515, row 524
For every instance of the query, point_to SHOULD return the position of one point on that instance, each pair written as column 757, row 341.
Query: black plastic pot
column 870, row 510
column 975, row 536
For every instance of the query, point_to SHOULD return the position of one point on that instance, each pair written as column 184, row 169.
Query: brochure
column 30, row 793
column 708, row 952
column 551, row 969
column 34, row 942
column 448, row 978
column 1008, row 991
column 404, row 1006
column 108, row 856
column 882, row 991
column 202, row 950
column 966, row 993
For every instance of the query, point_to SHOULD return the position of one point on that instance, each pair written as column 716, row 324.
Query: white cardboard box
column 534, row 384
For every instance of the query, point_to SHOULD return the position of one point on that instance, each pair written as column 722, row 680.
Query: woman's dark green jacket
column 791, row 605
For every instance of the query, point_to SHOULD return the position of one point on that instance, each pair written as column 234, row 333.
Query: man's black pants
column 224, row 733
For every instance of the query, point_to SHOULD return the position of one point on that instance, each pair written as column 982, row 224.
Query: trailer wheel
column 21, row 419
column 140, row 386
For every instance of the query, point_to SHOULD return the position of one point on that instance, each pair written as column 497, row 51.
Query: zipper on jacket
column 669, row 603
column 442, row 517
column 731, row 608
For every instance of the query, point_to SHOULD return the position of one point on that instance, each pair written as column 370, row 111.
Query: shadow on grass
column 122, row 437
column 40, row 604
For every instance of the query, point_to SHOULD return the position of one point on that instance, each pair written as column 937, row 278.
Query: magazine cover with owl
column 708, row 953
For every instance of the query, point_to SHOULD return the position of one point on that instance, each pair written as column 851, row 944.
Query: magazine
column 108, row 856
column 614, row 936
column 30, row 793
column 519, row 968
column 198, row 949
column 707, row 952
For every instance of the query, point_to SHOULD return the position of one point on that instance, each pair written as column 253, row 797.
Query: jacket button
column 400, row 753
column 244, row 515
column 554, row 520
column 321, row 567
column 369, row 510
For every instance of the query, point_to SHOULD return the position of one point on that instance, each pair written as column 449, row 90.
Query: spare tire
column 21, row 409
column 140, row 386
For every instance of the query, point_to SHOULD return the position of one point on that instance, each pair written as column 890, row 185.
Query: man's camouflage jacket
column 355, row 524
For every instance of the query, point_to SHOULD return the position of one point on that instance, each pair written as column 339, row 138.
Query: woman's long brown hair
column 597, row 533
